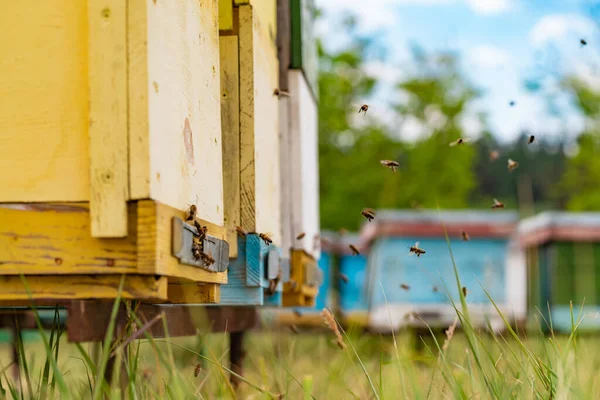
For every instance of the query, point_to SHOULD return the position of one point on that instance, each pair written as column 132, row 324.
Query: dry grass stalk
column 449, row 334
column 330, row 321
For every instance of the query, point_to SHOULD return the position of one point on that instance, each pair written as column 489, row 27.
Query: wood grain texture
column 154, row 253
column 259, row 127
column 139, row 88
column 109, row 175
column 44, row 153
column 183, row 113
column 255, row 254
column 225, row 15
column 304, row 180
column 55, row 239
column 230, row 123
column 194, row 293
column 237, row 291
column 266, row 11
column 82, row 287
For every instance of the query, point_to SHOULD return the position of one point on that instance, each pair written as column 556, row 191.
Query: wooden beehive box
column 112, row 110
column 563, row 266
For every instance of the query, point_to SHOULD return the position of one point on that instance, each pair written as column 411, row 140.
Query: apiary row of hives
column 118, row 116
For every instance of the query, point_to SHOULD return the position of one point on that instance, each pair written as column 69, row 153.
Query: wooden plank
column 139, row 88
column 259, row 127
column 237, row 291
column 107, row 52
column 303, row 41
column 230, row 123
column 266, row 11
column 154, row 253
column 183, row 113
column 194, row 293
column 225, row 15
column 82, row 287
column 304, row 150
column 296, row 292
column 44, row 153
column 48, row 239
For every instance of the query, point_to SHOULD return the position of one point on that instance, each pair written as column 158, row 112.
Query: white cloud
column 384, row 72
column 588, row 74
column 488, row 56
column 489, row 7
column 556, row 26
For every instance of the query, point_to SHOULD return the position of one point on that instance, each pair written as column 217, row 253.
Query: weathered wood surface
column 225, row 15
column 230, row 122
column 298, row 291
column 259, row 126
column 44, row 146
column 175, row 138
column 55, row 239
column 107, row 69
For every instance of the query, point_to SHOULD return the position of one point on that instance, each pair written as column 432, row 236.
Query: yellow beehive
column 111, row 125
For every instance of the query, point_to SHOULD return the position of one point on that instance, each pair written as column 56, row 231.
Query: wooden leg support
column 236, row 356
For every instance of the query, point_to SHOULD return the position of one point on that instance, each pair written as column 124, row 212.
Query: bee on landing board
column 460, row 141
column 266, row 237
column 465, row 236
column 512, row 165
column 354, row 249
column 280, row 93
column 300, row 236
column 531, row 139
column 191, row 214
column 240, row 231
column 497, row 204
column 405, row 286
column 368, row 213
column 390, row 164
column 364, row 108
column 417, row 250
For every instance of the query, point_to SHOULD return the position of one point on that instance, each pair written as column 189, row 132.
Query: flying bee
column 240, row 231
column 465, row 291
column 497, row 204
column 531, row 139
column 405, row 286
column 273, row 284
column 300, row 236
column 355, row 251
column 465, row 236
column 417, row 250
column 197, row 370
column 435, row 289
column 294, row 329
column 266, row 237
column 344, row 277
column 512, row 103
column 460, row 141
column 494, row 154
column 297, row 313
column 512, row 165
column 191, row 214
column 363, row 108
column 280, row 93
column 390, row 164
column 368, row 213
column 583, row 42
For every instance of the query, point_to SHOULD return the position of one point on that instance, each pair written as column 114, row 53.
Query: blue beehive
column 400, row 283
column 353, row 302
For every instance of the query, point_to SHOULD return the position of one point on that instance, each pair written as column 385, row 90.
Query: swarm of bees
column 460, row 141
column 368, row 213
column 198, row 239
column 417, row 250
column 512, row 165
column 280, row 93
column 364, row 108
column 390, row 164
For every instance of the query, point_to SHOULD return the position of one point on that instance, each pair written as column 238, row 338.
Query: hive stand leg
column 236, row 355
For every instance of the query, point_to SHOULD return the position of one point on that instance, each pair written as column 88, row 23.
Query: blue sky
column 501, row 43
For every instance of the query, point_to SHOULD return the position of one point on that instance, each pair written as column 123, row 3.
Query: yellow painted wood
column 194, row 293
column 107, row 68
column 45, row 239
column 182, row 133
column 154, row 252
column 82, row 287
column 296, row 292
column 44, row 152
column 225, row 15
column 230, row 122
column 138, row 91
column 314, row 319
column 266, row 10
column 259, row 128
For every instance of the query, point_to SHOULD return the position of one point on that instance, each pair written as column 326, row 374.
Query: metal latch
column 183, row 237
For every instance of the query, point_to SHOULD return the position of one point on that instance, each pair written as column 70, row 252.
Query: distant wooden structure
column 400, row 283
column 563, row 266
